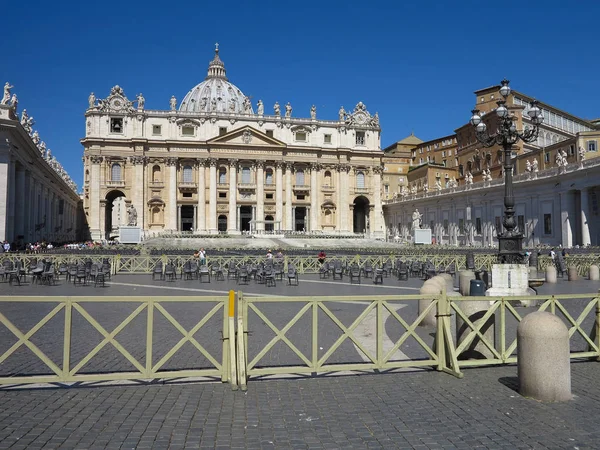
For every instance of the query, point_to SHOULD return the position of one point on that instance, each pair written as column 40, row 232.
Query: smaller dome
column 216, row 94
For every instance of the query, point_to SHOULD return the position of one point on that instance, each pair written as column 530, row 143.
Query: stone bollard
column 572, row 273
column 594, row 273
column 432, row 286
column 551, row 274
column 464, row 281
column 543, row 363
column 449, row 281
column 532, row 272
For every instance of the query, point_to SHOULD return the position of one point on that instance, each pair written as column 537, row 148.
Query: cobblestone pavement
column 421, row 410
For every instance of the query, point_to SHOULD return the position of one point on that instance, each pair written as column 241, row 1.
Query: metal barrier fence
column 319, row 334
column 140, row 264
column 60, row 364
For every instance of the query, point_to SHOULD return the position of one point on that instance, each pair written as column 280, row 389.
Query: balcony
column 222, row 185
column 247, row 186
column 361, row 190
column 301, row 188
column 269, row 187
column 327, row 188
column 115, row 184
column 157, row 184
column 187, row 186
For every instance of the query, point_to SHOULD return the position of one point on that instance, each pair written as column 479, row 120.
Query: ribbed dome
column 216, row 94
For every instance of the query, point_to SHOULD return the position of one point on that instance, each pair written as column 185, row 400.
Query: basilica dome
column 216, row 94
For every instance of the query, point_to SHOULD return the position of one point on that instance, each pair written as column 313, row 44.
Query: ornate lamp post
column 511, row 240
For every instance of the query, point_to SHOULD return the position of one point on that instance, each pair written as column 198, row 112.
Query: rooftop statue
column 288, row 110
column 534, row 165
column 313, row 112
column 277, row 109
column 14, row 102
column 173, row 103
column 342, row 114
column 6, row 96
column 247, row 106
column 35, row 137
column 141, row 101
column 260, row 108
column 92, row 101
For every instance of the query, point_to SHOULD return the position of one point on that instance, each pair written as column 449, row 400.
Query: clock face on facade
column 360, row 118
column 116, row 103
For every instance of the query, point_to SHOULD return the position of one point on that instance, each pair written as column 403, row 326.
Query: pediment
column 246, row 136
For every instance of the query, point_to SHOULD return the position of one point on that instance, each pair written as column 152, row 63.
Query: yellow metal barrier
column 376, row 356
column 67, row 371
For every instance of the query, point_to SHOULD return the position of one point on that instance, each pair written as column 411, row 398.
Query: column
column 344, row 206
column 314, row 198
column 11, row 203
column 377, row 219
column 238, row 217
column 94, row 187
column 338, row 216
column 194, row 225
column 27, row 211
column 253, row 223
column 288, row 197
column 259, row 211
column 585, row 213
column 307, row 219
column 201, row 209
column 172, row 205
column 178, row 217
column 102, row 220
column 279, row 195
column 212, row 197
column 21, row 202
column 566, row 206
column 4, row 190
column 232, row 223
column 137, row 188
column 293, row 228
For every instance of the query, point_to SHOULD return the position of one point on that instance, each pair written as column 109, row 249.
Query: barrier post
column 241, row 354
column 149, row 336
column 442, row 312
column 231, row 336
column 67, row 339
column 598, row 323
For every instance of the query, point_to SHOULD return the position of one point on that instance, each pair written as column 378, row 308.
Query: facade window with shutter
column 300, row 177
column 222, row 175
column 187, row 174
column 360, row 180
column 246, row 175
column 269, row 176
column 115, row 173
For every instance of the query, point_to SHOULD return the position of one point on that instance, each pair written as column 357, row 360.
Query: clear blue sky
column 416, row 62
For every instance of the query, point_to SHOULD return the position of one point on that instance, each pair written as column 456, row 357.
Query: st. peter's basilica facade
column 213, row 164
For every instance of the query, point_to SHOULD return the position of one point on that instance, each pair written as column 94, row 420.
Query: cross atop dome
column 216, row 68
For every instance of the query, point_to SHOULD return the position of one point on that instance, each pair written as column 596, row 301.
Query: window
column 270, row 196
column 547, row 157
column 327, row 178
column 360, row 138
column 116, row 125
column 222, row 131
column 269, row 133
column 269, row 176
column 300, row 177
column 300, row 197
column 547, row 223
column 187, row 195
column 156, row 178
column 443, row 153
column 478, row 225
column 156, row 130
column 571, row 150
column 115, row 172
column 246, row 175
column 445, row 226
column 591, row 146
column 327, row 139
column 222, row 194
column 521, row 224
column 187, row 174
column 300, row 136
column 222, row 175
column 461, row 226
column 187, row 130
column 360, row 180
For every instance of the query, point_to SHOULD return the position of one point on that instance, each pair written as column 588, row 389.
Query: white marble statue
column 288, row 110
column 277, row 109
column 469, row 178
column 582, row 153
column 173, row 103
column 438, row 185
column 141, row 101
column 404, row 192
column 6, row 96
column 42, row 148
column 313, row 112
column 342, row 114
column 426, row 188
column 131, row 216
column 247, row 105
column 395, row 196
column 528, row 166
column 35, row 137
column 92, row 100
column 375, row 120
column 534, row 165
column 14, row 102
column 413, row 190
column 260, row 108
column 416, row 219
column 213, row 104
column 26, row 121
column 565, row 161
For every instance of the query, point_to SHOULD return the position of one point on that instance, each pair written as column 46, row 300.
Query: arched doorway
column 115, row 213
column 245, row 217
column 187, row 218
column 361, row 214
column 222, row 223
column 269, row 226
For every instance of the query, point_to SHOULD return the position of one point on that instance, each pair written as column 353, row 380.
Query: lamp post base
column 511, row 249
